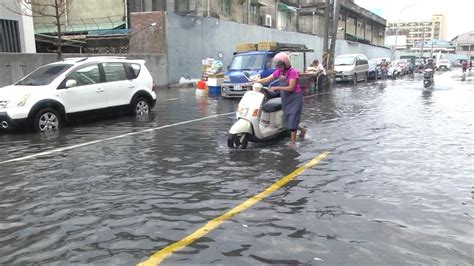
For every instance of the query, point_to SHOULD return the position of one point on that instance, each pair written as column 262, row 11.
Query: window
column 9, row 36
column 247, row 62
column 269, row 61
column 344, row 61
column 114, row 72
column 254, row 10
column 86, row 75
column 134, row 70
column 225, row 7
column 159, row 5
column 182, row 6
column 44, row 75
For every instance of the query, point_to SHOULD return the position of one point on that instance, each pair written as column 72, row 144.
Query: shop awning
column 258, row 3
column 84, row 26
column 286, row 8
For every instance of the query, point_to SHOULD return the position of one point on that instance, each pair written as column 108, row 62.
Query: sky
column 460, row 13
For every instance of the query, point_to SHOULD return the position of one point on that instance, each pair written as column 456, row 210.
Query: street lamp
column 399, row 15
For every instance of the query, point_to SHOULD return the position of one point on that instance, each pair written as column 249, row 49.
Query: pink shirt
column 288, row 75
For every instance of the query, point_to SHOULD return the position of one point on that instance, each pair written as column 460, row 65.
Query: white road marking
column 107, row 139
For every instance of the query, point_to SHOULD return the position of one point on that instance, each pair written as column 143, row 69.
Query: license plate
column 237, row 88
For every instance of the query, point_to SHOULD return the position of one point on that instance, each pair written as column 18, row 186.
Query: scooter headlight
column 242, row 111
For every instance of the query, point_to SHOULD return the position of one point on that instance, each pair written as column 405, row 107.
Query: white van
column 351, row 67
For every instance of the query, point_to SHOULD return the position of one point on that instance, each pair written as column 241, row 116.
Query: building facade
column 419, row 31
column 465, row 44
column 16, row 28
column 81, row 16
column 305, row 16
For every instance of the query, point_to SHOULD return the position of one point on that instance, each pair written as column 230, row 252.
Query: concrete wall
column 346, row 47
column 14, row 66
column 11, row 10
column 190, row 39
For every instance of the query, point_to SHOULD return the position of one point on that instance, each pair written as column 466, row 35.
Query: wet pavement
column 396, row 189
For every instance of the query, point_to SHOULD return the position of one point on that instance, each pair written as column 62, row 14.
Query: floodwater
column 397, row 188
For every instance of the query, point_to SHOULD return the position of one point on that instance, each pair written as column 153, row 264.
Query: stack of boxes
column 213, row 75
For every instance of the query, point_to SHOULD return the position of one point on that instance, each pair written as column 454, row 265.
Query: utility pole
column 335, row 24
column 422, row 41
column 431, row 48
column 248, row 11
column 327, row 24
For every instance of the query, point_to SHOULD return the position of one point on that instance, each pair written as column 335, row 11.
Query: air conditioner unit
column 268, row 21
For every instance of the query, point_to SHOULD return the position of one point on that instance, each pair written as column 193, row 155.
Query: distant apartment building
column 355, row 23
column 307, row 16
column 16, row 28
column 419, row 31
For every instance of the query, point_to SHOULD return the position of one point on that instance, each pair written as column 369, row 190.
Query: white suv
column 74, row 88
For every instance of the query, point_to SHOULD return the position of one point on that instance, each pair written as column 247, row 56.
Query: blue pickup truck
column 258, row 64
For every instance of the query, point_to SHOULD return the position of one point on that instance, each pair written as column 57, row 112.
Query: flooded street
column 396, row 188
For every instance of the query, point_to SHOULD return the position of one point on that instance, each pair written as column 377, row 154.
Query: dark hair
column 315, row 61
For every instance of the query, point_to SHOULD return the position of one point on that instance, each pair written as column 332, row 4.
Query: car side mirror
column 71, row 83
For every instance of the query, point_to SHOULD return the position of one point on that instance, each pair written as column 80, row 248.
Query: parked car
column 351, row 67
column 375, row 71
column 76, row 88
column 444, row 64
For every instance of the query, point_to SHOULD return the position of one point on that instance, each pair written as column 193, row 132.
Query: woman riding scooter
column 291, row 94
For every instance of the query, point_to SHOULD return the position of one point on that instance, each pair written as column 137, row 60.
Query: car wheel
column 141, row 106
column 47, row 120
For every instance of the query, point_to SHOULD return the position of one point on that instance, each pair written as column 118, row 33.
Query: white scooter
column 258, row 119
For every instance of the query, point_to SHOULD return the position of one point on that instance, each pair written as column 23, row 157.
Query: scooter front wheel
column 238, row 141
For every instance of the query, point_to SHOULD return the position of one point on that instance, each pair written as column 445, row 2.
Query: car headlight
column 20, row 102
column 226, row 79
column 255, row 77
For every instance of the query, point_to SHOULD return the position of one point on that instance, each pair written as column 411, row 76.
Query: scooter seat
column 272, row 105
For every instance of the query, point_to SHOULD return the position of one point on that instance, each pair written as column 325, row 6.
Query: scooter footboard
column 241, row 126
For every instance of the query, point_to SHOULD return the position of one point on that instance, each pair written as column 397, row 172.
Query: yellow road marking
column 162, row 254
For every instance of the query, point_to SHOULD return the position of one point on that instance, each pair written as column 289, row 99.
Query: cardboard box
column 265, row 46
column 217, row 82
column 245, row 47
column 217, row 75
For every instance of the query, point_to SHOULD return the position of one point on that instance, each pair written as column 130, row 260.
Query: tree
column 54, row 10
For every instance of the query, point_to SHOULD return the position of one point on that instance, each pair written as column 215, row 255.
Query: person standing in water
column 291, row 93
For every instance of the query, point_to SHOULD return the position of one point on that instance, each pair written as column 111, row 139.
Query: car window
column 114, row 72
column 133, row 69
column 344, row 61
column 43, row 75
column 269, row 61
column 247, row 62
column 86, row 75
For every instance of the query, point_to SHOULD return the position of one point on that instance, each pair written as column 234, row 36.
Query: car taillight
column 153, row 86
